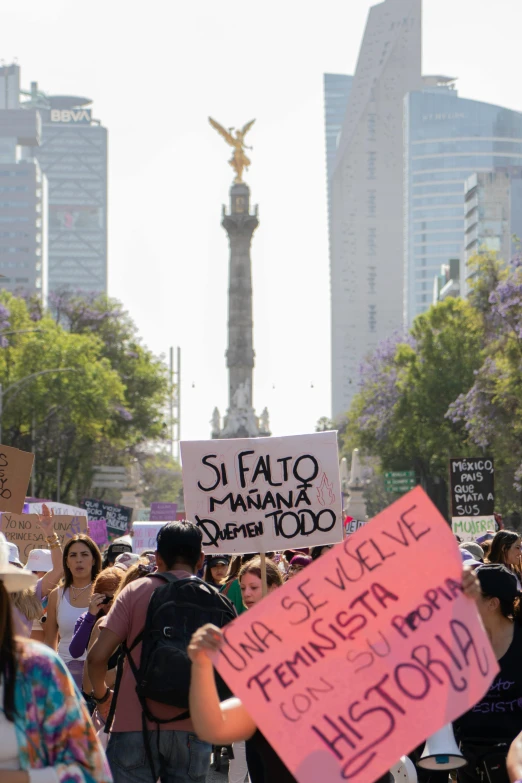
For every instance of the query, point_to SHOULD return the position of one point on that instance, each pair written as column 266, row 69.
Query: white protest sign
column 264, row 494
column 145, row 534
column 471, row 528
column 59, row 509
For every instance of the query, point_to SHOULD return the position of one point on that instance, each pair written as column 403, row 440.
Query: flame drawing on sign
column 325, row 496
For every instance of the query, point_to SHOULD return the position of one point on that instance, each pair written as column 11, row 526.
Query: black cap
column 497, row 581
column 215, row 560
column 119, row 548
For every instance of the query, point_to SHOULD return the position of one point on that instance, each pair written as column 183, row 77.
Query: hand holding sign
column 361, row 657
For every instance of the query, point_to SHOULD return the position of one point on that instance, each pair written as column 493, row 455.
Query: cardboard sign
column 15, row 472
column 163, row 512
column 364, row 654
column 263, row 494
column 23, row 530
column 98, row 531
column 145, row 534
column 118, row 518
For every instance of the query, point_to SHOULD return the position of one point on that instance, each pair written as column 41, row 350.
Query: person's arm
column 46, row 525
column 110, row 677
column 219, row 724
column 96, row 668
column 51, row 623
column 514, row 760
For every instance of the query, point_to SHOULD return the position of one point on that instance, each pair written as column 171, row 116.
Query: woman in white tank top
column 81, row 565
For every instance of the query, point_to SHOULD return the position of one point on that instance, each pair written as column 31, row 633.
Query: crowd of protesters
column 76, row 708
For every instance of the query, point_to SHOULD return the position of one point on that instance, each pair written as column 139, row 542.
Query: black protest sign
column 119, row 518
column 472, row 487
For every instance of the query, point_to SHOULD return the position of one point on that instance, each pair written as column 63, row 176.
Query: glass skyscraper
column 337, row 88
column 73, row 156
column 446, row 139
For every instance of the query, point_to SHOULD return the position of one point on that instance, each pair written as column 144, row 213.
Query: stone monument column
column 240, row 223
column 240, row 226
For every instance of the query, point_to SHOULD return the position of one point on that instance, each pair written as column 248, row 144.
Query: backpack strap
column 119, row 674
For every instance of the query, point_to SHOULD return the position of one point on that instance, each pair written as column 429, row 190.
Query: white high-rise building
column 366, row 194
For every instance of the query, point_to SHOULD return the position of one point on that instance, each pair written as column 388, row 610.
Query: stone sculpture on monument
column 240, row 223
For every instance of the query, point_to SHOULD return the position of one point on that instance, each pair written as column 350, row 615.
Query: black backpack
column 176, row 610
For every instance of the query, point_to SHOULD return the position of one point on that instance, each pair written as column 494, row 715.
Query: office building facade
column 337, row 87
column 366, row 194
column 493, row 214
column 73, row 155
column 446, row 140
column 23, row 194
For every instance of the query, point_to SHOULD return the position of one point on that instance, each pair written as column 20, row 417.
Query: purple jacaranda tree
column 378, row 376
column 491, row 410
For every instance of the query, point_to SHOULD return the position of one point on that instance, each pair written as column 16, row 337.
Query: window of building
column 371, row 165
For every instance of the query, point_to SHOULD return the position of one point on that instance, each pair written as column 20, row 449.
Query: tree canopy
column 451, row 387
column 79, row 389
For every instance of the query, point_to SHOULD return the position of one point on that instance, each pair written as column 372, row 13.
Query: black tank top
column 264, row 765
column 498, row 715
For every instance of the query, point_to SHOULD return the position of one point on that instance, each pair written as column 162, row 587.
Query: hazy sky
column 155, row 72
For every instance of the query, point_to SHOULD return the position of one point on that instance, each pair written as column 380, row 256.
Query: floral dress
column 53, row 727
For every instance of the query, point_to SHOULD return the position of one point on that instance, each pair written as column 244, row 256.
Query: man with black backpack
column 152, row 620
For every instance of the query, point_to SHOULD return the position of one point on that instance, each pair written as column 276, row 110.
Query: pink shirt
column 127, row 619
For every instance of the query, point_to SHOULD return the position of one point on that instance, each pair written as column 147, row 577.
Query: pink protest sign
column 363, row 655
column 98, row 531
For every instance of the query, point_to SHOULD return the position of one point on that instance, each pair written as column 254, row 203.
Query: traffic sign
column 399, row 481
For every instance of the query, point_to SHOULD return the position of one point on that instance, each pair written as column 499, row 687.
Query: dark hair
column 233, row 569
column 8, row 663
column 502, row 541
column 179, row 542
column 208, row 573
column 273, row 574
column 317, row 551
column 486, row 548
column 509, row 608
column 95, row 552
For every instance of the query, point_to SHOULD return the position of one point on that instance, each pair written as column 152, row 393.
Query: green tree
column 400, row 413
column 103, row 412
column 491, row 408
column 162, row 482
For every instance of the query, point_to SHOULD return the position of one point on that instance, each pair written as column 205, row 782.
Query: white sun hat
column 39, row 560
column 13, row 578
column 14, row 555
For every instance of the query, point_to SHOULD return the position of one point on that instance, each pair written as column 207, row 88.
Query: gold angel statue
column 239, row 160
